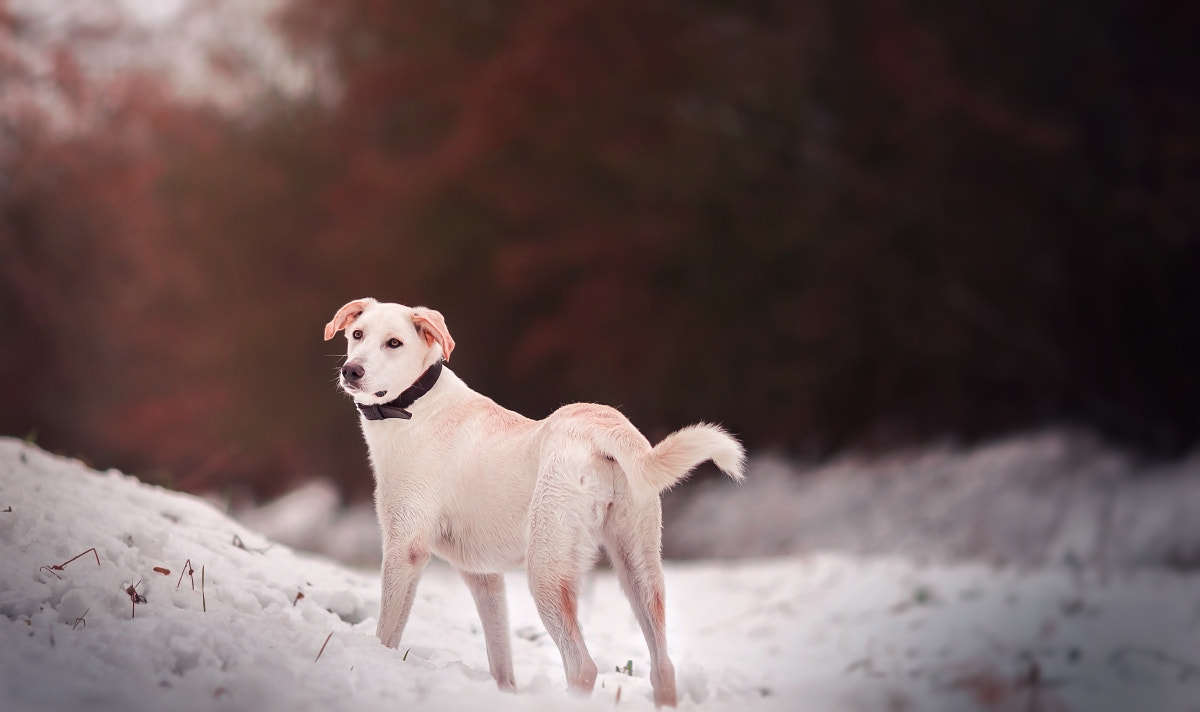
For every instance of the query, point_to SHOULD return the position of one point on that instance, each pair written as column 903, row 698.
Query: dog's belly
column 471, row 551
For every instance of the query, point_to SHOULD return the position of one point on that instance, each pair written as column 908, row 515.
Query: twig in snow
column 59, row 567
column 165, row 572
column 323, row 646
column 299, row 595
column 237, row 541
column 993, row 689
column 80, row 620
column 1033, row 681
column 188, row 571
column 618, row 701
column 135, row 597
column 6, row 510
column 203, row 598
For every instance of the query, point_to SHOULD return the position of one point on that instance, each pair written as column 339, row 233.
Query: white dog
column 488, row 490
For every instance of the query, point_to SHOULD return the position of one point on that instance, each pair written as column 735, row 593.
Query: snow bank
column 313, row 518
column 176, row 39
column 1052, row 497
column 825, row 632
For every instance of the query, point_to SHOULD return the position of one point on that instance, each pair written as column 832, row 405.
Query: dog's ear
column 431, row 325
column 346, row 316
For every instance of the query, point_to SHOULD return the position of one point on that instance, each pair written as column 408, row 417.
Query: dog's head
column 389, row 346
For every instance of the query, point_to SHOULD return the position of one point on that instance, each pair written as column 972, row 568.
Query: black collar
column 397, row 408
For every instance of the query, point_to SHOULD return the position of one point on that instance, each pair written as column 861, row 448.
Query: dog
column 489, row 490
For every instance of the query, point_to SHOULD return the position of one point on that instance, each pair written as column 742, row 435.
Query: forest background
column 826, row 225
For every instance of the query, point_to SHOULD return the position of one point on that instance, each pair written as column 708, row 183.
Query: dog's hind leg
column 632, row 538
column 488, row 591
column 560, row 552
column 557, row 599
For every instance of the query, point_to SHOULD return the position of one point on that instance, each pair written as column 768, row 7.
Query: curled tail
column 672, row 459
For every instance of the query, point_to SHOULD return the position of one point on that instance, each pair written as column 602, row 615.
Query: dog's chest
column 475, row 518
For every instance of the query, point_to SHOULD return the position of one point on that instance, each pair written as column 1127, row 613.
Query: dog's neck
column 398, row 408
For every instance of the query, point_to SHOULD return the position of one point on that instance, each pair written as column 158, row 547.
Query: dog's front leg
column 488, row 591
column 402, row 565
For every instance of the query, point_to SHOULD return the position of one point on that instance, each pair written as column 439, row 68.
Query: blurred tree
column 887, row 220
column 825, row 225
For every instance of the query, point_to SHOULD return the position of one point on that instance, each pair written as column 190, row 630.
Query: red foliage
column 815, row 222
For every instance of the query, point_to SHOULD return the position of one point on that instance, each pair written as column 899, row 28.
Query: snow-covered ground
column 1055, row 497
column 813, row 631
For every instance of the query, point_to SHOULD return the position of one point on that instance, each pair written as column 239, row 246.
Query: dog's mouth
column 361, row 394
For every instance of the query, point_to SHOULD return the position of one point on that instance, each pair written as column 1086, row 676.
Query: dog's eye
column 394, row 343
column 357, row 334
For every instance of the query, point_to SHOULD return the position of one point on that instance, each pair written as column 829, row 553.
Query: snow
column 222, row 53
column 818, row 630
column 1055, row 497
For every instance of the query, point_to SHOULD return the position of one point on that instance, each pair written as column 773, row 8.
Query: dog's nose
column 353, row 372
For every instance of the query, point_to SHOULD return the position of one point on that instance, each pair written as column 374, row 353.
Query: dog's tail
column 671, row 460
